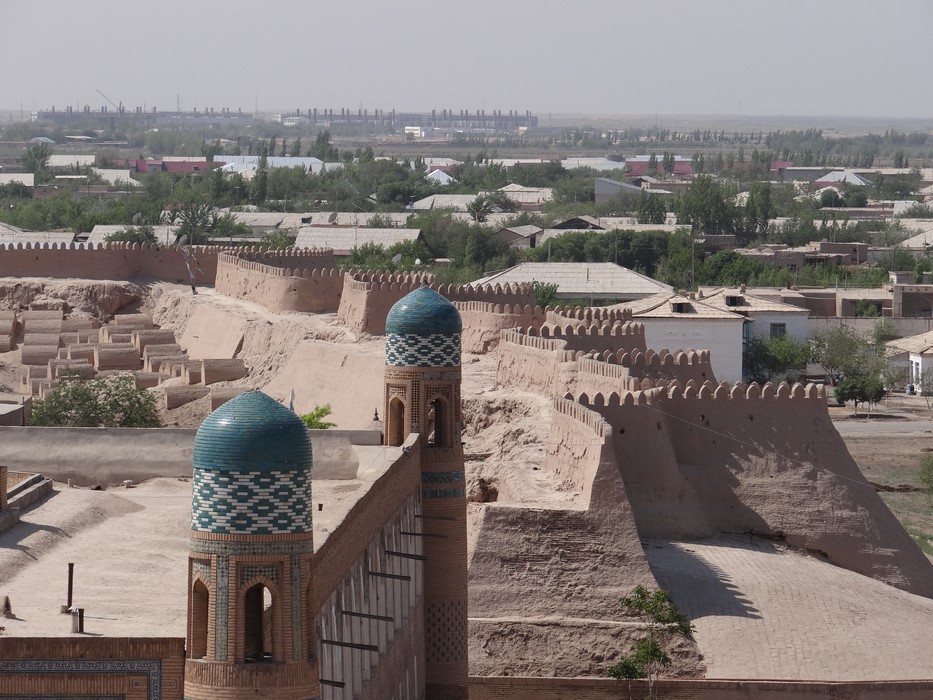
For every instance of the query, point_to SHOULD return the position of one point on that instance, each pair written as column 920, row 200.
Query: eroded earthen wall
column 315, row 287
column 698, row 461
column 540, row 578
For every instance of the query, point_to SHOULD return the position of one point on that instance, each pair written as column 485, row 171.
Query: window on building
column 778, row 330
column 438, row 437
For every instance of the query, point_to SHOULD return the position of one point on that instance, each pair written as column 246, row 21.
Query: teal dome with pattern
column 252, row 470
column 252, row 432
column 423, row 330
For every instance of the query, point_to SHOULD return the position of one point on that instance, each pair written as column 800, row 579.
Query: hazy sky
column 793, row 57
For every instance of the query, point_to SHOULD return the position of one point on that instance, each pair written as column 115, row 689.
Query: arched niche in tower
column 395, row 422
column 258, row 624
column 439, row 427
column 200, row 613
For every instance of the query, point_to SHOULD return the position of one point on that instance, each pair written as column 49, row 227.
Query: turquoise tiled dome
column 255, row 433
column 423, row 312
column 252, row 470
column 423, row 330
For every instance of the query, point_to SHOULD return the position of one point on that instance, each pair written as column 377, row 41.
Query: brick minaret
column 250, row 629
column 422, row 395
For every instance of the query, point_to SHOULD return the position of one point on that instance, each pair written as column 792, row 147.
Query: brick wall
column 137, row 669
column 496, row 688
column 3, row 487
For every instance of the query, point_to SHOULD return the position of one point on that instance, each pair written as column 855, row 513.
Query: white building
column 679, row 322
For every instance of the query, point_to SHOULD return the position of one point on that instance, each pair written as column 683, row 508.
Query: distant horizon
column 594, row 57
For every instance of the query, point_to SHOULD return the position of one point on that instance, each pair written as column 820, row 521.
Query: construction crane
column 119, row 107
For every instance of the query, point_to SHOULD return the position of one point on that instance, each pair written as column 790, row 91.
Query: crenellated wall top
column 574, row 409
column 652, row 392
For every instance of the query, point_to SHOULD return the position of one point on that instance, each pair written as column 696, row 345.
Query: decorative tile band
column 246, row 549
column 202, row 570
column 443, row 493
column 441, row 477
column 220, row 609
column 268, row 571
column 151, row 667
column 297, row 600
column 251, row 503
column 435, row 350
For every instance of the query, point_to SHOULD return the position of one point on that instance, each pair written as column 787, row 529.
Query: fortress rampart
column 368, row 296
column 587, row 315
column 702, row 459
column 578, row 436
column 268, row 278
column 613, row 337
column 554, row 363
column 483, row 321
column 107, row 261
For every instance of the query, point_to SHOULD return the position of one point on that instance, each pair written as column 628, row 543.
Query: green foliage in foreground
column 110, row 402
column 663, row 621
column 315, row 419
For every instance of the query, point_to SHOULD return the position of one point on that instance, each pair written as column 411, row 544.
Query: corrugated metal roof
column 920, row 343
column 61, row 160
column 269, row 219
column 923, row 238
column 115, row 176
column 583, row 280
column 27, row 179
column 13, row 236
column 846, row 176
column 672, row 305
column 747, row 303
column 345, row 239
column 457, row 202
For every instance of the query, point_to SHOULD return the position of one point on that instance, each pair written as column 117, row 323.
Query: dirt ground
column 888, row 448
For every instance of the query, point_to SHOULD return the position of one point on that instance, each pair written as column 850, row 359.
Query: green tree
column 480, row 208
column 780, row 358
column 260, row 182
column 705, row 207
column 134, row 234
column 650, row 209
column 663, row 621
column 315, row 419
column 860, row 388
column 36, row 159
column 277, row 239
column 838, row 351
column 109, row 402
column 545, row 293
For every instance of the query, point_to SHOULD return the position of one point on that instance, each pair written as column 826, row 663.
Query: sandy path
column 762, row 611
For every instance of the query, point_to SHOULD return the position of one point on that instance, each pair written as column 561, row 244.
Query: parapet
column 588, row 315
column 651, row 392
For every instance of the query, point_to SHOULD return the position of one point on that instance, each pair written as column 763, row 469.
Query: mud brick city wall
column 135, row 669
column 109, row 261
column 499, row 688
column 303, row 281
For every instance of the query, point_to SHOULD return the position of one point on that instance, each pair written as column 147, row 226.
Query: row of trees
column 857, row 365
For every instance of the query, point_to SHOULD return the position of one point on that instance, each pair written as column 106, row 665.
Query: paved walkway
column 762, row 611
